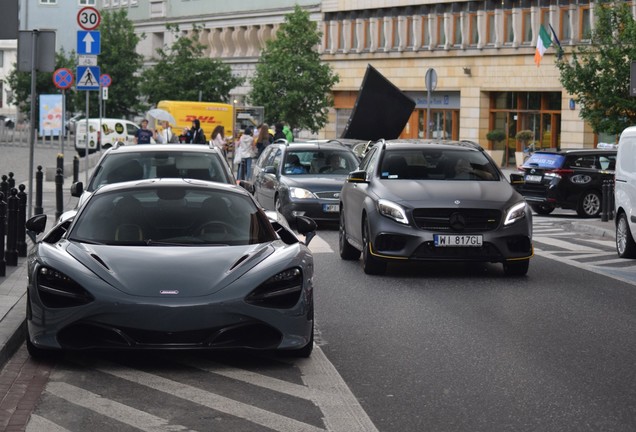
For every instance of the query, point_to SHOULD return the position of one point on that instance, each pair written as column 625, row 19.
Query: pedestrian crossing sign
column 88, row 78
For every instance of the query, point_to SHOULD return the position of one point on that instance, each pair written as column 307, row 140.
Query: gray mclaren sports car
column 170, row 264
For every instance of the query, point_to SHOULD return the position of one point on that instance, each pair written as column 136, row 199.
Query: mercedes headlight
column 515, row 213
column 393, row 211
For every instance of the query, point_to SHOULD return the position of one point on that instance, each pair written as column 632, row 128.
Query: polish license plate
column 533, row 178
column 458, row 240
column 331, row 208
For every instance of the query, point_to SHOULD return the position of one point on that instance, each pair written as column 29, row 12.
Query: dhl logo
column 202, row 119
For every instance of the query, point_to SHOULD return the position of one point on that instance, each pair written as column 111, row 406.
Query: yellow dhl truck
column 210, row 115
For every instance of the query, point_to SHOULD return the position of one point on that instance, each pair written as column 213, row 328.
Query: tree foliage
column 183, row 71
column 598, row 74
column 290, row 80
column 118, row 58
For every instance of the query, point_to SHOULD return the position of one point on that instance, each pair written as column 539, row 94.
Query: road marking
column 216, row 402
column 609, row 243
column 564, row 245
column 581, row 256
column 319, row 245
column 109, row 408
column 39, row 424
column 584, row 266
column 332, row 395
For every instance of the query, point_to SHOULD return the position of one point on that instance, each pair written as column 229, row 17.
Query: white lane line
column 319, row 245
column 609, row 243
column 216, row 402
column 614, row 260
column 109, row 408
column 582, row 256
column 252, row 378
column 563, row 244
column 39, row 424
column 332, row 395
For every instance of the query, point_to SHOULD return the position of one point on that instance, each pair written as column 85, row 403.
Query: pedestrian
column 246, row 148
column 195, row 134
column 144, row 135
column 289, row 135
column 166, row 136
column 278, row 132
column 262, row 139
column 218, row 139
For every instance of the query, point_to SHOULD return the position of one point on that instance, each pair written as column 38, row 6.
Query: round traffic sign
column 431, row 79
column 63, row 78
column 88, row 18
column 105, row 80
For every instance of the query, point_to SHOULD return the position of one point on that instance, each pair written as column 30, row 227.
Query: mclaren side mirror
column 307, row 227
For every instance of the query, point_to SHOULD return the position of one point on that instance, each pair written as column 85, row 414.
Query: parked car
column 124, row 163
column 432, row 200
column 170, row 264
column 625, row 194
column 302, row 178
column 569, row 179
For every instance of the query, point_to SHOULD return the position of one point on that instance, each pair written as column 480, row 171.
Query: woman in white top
column 166, row 135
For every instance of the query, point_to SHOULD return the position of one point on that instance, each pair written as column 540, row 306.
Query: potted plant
column 523, row 138
column 496, row 136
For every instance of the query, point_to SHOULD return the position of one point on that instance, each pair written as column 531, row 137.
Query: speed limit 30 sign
column 88, row 18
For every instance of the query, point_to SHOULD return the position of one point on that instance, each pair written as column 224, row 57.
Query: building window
column 526, row 27
column 157, row 9
column 509, row 32
column 585, row 25
column 491, row 36
column 341, row 36
column 87, row 2
column 457, row 30
column 50, row 2
column 473, row 30
column 566, row 24
column 426, row 37
column 410, row 32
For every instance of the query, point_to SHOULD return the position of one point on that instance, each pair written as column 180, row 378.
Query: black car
column 433, row 200
column 569, row 179
column 302, row 178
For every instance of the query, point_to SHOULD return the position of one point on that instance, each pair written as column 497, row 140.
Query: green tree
column 598, row 74
column 119, row 60
column 290, row 81
column 182, row 72
column 20, row 83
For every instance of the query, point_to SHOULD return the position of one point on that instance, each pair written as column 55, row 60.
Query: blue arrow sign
column 88, row 78
column 88, row 42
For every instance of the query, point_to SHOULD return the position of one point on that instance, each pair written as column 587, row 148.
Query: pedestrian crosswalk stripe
column 564, row 244
column 39, row 424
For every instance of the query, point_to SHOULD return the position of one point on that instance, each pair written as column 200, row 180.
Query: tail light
column 559, row 172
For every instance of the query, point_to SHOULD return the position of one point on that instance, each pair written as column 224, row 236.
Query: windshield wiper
column 93, row 242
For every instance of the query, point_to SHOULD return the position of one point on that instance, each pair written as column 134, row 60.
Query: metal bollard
column 76, row 164
column 604, row 201
column 39, row 180
column 3, row 220
column 11, row 181
column 59, row 199
column 4, row 186
column 60, row 163
column 11, row 253
column 612, row 203
column 21, row 244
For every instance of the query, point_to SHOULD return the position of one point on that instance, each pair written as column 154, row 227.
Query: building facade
column 8, row 57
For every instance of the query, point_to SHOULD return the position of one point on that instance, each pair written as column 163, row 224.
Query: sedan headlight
column 515, row 213
column 300, row 193
column 281, row 291
column 393, row 211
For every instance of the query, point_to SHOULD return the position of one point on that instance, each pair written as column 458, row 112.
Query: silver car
column 433, row 200
column 170, row 264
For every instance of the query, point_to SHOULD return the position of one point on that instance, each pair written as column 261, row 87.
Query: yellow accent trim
column 384, row 256
column 524, row 258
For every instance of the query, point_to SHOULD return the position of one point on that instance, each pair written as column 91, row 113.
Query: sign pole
column 63, row 131
column 87, row 138
column 99, row 134
column 34, row 48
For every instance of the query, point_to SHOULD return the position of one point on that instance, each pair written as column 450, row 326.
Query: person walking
column 166, row 135
column 278, row 132
column 195, row 134
column 262, row 139
column 144, row 135
column 218, row 139
column 289, row 135
column 246, row 148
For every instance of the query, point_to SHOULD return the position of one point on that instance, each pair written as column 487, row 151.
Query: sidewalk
column 13, row 285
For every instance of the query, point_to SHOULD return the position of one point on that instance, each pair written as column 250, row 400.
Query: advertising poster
column 51, row 115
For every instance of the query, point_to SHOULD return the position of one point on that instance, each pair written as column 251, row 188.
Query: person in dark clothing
column 144, row 135
column 278, row 131
column 262, row 139
column 195, row 134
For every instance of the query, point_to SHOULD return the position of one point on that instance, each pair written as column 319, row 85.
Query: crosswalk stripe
column 38, row 424
column 115, row 410
column 216, row 402
column 564, row 245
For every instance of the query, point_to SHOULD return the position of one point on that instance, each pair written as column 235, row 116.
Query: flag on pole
column 556, row 41
column 543, row 43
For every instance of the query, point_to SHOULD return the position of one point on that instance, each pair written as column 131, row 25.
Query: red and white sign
column 88, row 18
column 63, row 78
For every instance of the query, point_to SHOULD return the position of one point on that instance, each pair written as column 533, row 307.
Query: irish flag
column 543, row 43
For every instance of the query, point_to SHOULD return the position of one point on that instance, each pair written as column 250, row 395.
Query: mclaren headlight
column 300, row 193
column 281, row 291
column 393, row 211
column 515, row 213
column 57, row 290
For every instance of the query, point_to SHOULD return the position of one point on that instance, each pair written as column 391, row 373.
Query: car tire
column 304, row 352
column 347, row 252
column 589, row 204
column 370, row 264
column 625, row 245
column 39, row 353
column 516, row 268
column 542, row 209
